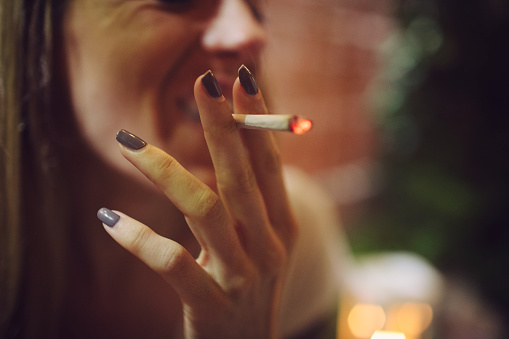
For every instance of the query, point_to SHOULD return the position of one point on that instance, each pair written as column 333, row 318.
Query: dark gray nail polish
column 107, row 216
column 130, row 140
column 247, row 81
column 210, row 83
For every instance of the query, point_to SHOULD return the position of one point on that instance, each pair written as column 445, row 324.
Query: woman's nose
column 234, row 31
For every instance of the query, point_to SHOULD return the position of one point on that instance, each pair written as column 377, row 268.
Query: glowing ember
column 300, row 125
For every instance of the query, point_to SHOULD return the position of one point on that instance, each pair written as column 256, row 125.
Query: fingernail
column 247, row 81
column 130, row 140
column 210, row 83
column 108, row 217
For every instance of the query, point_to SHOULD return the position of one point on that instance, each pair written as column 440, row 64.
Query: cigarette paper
column 274, row 122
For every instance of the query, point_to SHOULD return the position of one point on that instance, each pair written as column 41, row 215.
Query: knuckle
column 228, row 126
column 220, row 127
column 245, row 183
column 174, row 260
column 166, row 166
column 275, row 259
column 140, row 240
column 207, row 205
column 238, row 284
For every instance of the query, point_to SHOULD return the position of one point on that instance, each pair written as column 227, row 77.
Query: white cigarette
column 274, row 122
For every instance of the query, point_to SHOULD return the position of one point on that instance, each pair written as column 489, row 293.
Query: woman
column 73, row 74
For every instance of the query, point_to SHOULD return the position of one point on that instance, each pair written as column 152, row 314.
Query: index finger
column 203, row 209
column 236, row 181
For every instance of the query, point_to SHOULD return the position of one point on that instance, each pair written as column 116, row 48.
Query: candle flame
column 388, row 335
column 365, row 319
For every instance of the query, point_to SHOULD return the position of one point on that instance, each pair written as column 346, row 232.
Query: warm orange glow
column 365, row 319
column 300, row 125
column 387, row 335
column 413, row 318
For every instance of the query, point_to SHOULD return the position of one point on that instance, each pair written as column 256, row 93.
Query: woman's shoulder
column 320, row 255
column 307, row 197
column 315, row 210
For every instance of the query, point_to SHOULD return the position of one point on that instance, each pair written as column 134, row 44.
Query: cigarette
column 274, row 122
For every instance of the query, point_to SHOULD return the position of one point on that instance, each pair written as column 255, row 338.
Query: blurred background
column 410, row 103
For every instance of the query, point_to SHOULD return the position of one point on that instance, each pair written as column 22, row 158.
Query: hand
column 246, row 230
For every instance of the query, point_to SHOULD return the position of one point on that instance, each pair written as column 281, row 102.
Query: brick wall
column 321, row 60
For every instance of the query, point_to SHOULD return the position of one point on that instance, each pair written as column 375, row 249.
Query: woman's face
column 132, row 64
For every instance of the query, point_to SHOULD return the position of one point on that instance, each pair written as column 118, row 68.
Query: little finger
column 166, row 257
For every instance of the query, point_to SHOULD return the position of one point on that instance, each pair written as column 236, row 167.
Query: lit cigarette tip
column 300, row 125
column 273, row 122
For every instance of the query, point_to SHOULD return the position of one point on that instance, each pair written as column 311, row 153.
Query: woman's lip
column 226, row 85
column 225, row 81
column 187, row 104
column 189, row 108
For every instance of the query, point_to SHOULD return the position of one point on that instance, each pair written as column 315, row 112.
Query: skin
column 129, row 64
column 230, row 296
column 132, row 62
